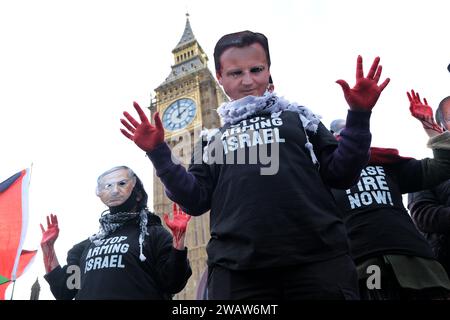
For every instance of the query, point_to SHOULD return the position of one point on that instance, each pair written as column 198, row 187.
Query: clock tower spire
column 188, row 55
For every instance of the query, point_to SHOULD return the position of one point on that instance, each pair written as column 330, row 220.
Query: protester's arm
column 177, row 225
column 192, row 189
column 172, row 264
column 49, row 237
column 341, row 166
column 415, row 175
column 191, row 192
column 428, row 213
column 423, row 112
column 61, row 286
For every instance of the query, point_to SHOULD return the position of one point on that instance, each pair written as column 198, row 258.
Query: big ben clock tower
column 187, row 101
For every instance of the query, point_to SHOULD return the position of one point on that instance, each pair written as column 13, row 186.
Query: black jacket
column 430, row 210
column 113, row 269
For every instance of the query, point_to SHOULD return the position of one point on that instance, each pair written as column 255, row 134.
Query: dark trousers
column 334, row 279
column 392, row 290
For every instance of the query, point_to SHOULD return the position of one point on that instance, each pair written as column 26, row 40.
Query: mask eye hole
column 256, row 69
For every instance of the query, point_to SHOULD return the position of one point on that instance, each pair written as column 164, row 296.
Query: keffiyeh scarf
column 111, row 222
column 234, row 111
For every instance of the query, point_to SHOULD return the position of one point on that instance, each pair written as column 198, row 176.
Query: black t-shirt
column 373, row 211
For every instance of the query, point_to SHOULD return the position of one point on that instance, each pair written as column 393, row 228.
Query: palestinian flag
column 13, row 227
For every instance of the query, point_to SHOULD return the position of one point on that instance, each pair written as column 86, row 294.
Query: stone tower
column 187, row 101
column 35, row 290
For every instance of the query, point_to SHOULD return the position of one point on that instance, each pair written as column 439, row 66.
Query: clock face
column 179, row 114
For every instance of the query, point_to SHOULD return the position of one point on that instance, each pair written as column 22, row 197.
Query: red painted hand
column 50, row 235
column 144, row 134
column 365, row 93
column 422, row 112
column 177, row 225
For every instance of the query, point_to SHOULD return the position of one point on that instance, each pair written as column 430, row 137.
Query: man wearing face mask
column 430, row 209
column 131, row 257
column 275, row 232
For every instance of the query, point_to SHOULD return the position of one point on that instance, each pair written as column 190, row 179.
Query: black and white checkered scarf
column 111, row 222
column 234, row 111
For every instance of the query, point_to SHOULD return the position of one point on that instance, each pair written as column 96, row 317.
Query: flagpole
column 12, row 293
column 31, row 170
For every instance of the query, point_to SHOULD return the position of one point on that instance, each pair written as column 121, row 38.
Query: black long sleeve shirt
column 114, row 271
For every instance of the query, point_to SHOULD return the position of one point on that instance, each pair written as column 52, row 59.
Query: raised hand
column 177, row 225
column 423, row 112
column 365, row 93
column 50, row 235
column 144, row 134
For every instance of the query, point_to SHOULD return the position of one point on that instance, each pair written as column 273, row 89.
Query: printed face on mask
column 115, row 187
column 244, row 71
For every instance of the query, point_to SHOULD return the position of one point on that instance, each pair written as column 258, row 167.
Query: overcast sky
column 69, row 68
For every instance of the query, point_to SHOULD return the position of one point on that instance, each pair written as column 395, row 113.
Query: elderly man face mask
column 114, row 188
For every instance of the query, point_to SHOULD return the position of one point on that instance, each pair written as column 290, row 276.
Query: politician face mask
column 115, row 188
